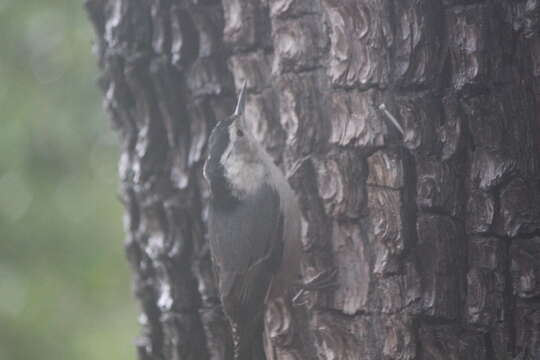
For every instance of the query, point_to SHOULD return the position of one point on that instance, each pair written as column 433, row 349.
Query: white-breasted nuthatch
column 253, row 228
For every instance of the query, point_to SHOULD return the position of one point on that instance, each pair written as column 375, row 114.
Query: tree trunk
column 435, row 234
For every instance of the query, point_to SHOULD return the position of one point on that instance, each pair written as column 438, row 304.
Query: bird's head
column 234, row 155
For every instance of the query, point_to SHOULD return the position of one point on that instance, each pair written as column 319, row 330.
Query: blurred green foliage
column 64, row 281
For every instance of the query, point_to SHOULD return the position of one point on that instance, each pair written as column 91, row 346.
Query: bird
column 254, row 229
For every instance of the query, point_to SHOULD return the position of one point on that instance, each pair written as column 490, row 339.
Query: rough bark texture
column 436, row 234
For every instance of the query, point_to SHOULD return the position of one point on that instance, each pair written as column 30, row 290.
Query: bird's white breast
column 244, row 176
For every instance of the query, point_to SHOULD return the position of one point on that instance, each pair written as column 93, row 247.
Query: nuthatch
column 253, row 228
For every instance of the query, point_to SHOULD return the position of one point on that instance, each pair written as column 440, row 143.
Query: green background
column 64, row 281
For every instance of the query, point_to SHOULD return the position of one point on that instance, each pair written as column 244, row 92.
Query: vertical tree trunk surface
column 435, row 234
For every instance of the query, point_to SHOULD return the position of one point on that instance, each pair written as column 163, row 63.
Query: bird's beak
column 241, row 104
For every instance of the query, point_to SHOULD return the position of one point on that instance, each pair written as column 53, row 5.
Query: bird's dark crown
column 222, row 194
column 215, row 172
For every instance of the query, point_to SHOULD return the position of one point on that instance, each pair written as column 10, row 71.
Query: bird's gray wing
column 246, row 242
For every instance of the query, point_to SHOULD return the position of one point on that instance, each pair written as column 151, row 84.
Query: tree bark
column 435, row 234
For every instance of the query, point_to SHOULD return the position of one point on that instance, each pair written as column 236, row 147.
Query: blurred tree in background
column 64, row 284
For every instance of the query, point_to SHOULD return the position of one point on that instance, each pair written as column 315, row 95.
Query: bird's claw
column 323, row 280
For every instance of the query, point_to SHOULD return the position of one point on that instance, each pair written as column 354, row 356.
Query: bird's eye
column 239, row 133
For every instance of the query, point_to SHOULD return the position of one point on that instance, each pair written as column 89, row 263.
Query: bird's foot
column 323, row 280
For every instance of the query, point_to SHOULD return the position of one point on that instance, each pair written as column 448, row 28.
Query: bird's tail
column 248, row 340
